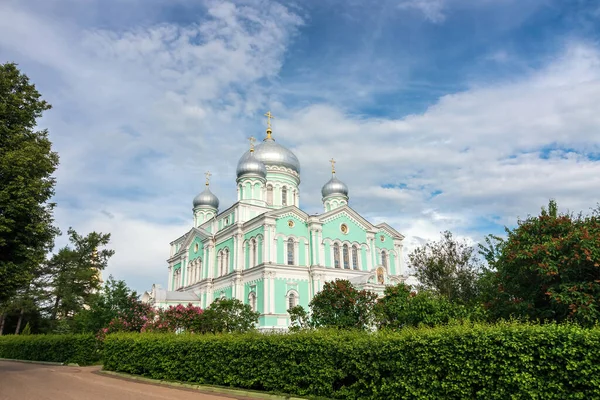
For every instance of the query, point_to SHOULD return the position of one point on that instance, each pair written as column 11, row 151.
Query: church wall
column 282, row 288
column 392, row 264
column 192, row 253
column 227, row 291
column 328, row 262
column 302, row 252
column 229, row 244
column 332, row 230
column 363, row 258
column 280, row 250
column 388, row 242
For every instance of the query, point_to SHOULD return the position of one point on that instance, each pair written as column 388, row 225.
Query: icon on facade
column 291, row 223
column 380, row 276
column 344, row 228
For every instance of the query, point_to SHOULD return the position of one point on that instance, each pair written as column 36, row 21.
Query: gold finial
column 269, row 118
column 208, row 175
column 332, row 161
column 252, row 139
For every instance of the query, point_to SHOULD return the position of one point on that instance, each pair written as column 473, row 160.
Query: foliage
column 448, row 267
column 115, row 299
column 80, row 349
column 454, row 362
column 176, row 319
column 72, row 275
column 131, row 318
column 400, row 307
column 340, row 305
column 26, row 330
column 228, row 315
column 549, row 269
column 27, row 163
column 299, row 319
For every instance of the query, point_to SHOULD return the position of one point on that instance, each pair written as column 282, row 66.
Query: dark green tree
column 549, row 269
column 400, row 307
column 27, row 163
column 448, row 267
column 102, row 307
column 228, row 315
column 340, row 305
column 73, row 274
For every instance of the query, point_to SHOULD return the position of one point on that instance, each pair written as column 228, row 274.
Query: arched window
column 292, row 300
column 384, row 259
column 270, row 195
column 254, row 253
column 346, row 257
column 336, row 255
column 354, row 257
column 199, row 273
column 284, row 196
column 252, row 300
column 290, row 251
column 220, row 261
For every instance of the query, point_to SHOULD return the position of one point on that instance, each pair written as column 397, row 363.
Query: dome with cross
column 270, row 153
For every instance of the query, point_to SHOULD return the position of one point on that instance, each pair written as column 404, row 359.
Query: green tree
column 340, row 305
column 27, row 163
column 448, row 267
column 549, row 269
column 113, row 300
column 228, row 315
column 401, row 307
column 73, row 274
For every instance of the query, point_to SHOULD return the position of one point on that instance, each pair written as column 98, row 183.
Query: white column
column 321, row 247
column 272, row 294
column 306, row 254
column 266, row 292
column 183, row 274
column 211, row 262
column 170, row 283
column 241, row 259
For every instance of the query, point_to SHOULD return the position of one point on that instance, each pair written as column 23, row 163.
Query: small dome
column 270, row 153
column 206, row 198
column 250, row 165
column 334, row 186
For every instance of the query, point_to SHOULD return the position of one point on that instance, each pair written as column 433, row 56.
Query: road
column 20, row 381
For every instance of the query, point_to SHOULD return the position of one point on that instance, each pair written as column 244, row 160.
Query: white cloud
column 431, row 9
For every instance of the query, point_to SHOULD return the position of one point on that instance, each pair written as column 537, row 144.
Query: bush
column 80, row 349
column 453, row 362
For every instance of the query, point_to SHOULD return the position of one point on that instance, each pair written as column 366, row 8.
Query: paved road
column 20, row 381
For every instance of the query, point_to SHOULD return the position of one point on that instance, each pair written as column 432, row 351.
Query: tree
column 114, row 300
column 401, row 307
column 228, row 315
column 340, row 305
column 27, row 163
column 448, row 267
column 549, row 269
column 73, row 273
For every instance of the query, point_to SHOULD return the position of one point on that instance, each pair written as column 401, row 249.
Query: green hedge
column 80, row 349
column 459, row 362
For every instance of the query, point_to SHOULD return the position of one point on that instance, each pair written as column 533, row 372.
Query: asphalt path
column 21, row 381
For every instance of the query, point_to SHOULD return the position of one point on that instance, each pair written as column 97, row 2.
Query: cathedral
column 268, row 253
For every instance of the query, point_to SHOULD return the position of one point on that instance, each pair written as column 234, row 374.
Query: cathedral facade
column 268, row 253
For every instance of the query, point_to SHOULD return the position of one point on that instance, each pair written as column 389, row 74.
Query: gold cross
column 332, row 161
column 269, row 118
column 252, row 139
column 208, row 175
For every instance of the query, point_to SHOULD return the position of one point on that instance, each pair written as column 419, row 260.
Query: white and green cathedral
column 265, row 251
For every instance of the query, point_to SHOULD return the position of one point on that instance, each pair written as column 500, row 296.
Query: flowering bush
column 175, row 319
column 130, row 319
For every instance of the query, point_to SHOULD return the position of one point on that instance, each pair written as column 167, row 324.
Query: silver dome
column 334, row 186
column 271, row 153
column 206, row 198
column 250, row 165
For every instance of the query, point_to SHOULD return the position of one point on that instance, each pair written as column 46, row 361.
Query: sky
column 460, row 115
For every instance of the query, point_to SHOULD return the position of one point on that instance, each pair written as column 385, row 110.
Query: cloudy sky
column 442, row 114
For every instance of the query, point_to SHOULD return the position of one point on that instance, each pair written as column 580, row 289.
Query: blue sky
column 442, row 114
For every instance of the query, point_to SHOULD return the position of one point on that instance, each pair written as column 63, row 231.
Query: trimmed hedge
column 458, row 362
column 80, row 349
